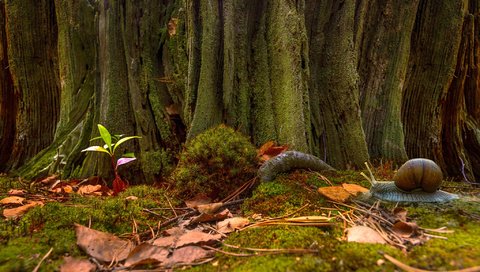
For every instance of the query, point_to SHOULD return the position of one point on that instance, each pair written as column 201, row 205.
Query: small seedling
column 111, row 144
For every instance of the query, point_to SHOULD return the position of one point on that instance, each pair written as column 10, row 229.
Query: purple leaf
column 124, row 161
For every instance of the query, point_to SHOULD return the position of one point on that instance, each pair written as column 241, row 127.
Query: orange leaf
column 335, row 193
column 354, row 189
column 12, row 200
column 19, row 211
column 265, row 147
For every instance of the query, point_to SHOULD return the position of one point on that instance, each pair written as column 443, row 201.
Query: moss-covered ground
column 24, row 241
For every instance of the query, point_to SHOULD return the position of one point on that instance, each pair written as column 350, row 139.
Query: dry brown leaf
column 335, row 193
column 354, row 189
column 232, row 224
column 19, row 211
column 188, row 255
column 102, row 246
column 205, row 217
column 68, row 189
column 400, row 214
column 89, row 189
column 77, row 265
column 50, row 179
column 196, row 237
column 167, row 241
column 269, row 150
column 199, row 199
column 17, row 192
column 363, row 234
column 209, row 208
column 12, row 200
column 174, row 231
column 405, row 229
column 146, row 254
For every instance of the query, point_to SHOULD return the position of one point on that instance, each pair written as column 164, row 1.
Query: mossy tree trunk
column 344, row 80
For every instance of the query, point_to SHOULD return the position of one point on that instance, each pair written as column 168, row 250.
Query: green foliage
column 110, row 147
column 215, row 162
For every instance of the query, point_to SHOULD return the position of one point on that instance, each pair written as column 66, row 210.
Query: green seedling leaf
column 96, row 148
column 96, row 138
column 121, row 141
column 124, row 161
column 128, row 155
column 107, row 138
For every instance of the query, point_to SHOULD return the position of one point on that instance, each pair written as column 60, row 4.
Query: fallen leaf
column 19, row 211
column 335, row 193
column 354, row 189
column 199, row 199
column 405, row 229
column 118, row 185
column 131, row 198
column 269, row 150
column 17, row 192
column 363, row 234
column 12, row 200
column 188, row 255
column 196, row 237
column 175, row 231
column 50, row 179
column 206, row 217
column 166, row 241
column 146, row 254
column 102, row 246
column 400, row 214
column 77, row 265
column 89, row 189
column 68, row 189
column 209, row 208
column 232, row 224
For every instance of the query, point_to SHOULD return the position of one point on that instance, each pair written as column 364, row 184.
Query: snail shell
column 419, row 173
column 417, row 180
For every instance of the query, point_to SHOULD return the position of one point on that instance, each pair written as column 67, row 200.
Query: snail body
column 417, row 180
column 289, row 160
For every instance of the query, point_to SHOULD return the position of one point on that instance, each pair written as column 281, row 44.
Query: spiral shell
column 419, row 173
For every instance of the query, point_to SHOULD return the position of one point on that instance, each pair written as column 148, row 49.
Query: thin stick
column 170, row 204
column 43, row 259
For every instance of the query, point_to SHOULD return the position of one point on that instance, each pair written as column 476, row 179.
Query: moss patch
column 216, row 163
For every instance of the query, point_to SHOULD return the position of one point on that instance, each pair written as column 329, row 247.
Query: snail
column 417, row 180
column 289, row 160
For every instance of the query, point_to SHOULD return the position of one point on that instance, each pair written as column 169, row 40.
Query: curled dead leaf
column 196, row 237
column 19, row 211
column 363, row 234
column 16, row 192
column 102, row 246
column 354, row 189
column 209, row 208
column 12, row 200
column 199, row 199
column 232, row 224
column 188, row 255
column 206, row 217
column 172, row 26
column 400, row 214
column 90, row 189
column 335, row 193
column 146, row 254
column 405, row 229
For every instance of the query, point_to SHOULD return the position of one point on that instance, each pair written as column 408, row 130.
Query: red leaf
column 118, row 185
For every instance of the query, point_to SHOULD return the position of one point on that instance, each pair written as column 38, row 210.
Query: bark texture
column 347, row 81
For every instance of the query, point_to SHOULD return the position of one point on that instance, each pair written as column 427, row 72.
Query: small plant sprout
column 112, row 142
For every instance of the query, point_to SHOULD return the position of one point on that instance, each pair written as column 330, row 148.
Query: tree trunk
column 344, row 80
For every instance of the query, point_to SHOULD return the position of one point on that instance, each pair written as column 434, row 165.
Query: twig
column 240, row 190
column 43, row 259
column 288, row 250
column 170, row 204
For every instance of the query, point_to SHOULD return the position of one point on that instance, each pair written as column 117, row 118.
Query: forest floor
column 284, row 225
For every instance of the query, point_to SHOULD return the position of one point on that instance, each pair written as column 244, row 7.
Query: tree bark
column 344, row 80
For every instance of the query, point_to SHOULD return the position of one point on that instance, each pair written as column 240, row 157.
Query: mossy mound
column 216, row 162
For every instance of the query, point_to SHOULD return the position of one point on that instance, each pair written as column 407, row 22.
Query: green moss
column 157, row 163
column 291, row 192
column 216, row 163
column 51, row 226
